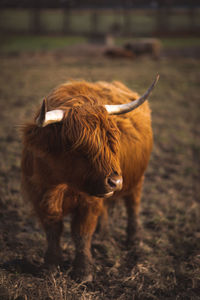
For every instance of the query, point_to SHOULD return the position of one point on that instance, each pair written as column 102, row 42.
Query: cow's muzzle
column 107, row 187
column 113, row 183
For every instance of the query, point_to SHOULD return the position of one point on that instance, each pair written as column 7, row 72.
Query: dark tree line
column 97, row 3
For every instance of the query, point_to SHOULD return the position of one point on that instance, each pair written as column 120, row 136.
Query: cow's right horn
column 127, row 107
column 48, row 117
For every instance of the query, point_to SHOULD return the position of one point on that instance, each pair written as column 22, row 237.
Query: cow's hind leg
column 132, row 202
column 83, row 225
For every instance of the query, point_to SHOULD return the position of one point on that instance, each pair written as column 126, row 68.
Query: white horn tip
column 53, row 116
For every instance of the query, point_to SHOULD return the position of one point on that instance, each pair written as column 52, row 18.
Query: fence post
column 192, row 16
column 94, row 19
column 162, row 16
column 66, row 20
column 127, row 21
column 127, row 16
column 36, row 17
column 68, row 4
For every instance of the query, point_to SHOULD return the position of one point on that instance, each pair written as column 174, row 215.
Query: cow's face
column 91, row 141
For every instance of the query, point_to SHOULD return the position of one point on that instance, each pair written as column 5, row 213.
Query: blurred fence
column 120, row 22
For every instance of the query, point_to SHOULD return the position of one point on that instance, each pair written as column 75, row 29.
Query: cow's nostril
column 114, row 183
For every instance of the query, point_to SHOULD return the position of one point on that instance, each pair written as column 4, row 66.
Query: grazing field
column 167, row 262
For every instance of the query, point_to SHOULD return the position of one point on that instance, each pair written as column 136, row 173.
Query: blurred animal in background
column 88, row 144
column 148, row 46
column 133, row 49
column 117, row 52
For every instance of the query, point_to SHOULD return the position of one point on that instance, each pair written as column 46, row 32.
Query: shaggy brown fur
column 64, row 165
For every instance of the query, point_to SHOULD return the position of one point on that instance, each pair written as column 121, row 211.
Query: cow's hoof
column 51, row 259
column 51, row 269
column 133, row 241
column 81, row 276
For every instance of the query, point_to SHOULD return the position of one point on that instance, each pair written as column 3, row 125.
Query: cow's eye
column 115, row 173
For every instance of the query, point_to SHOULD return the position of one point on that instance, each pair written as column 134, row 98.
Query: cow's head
column 90, row 143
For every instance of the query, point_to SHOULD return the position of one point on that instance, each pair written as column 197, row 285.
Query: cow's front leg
column 53, row 255
column 132, row 202
column 83, row 226
column 50, row 213
column 102, row 225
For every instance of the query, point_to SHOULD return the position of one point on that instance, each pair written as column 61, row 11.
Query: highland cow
column 146, row 46
column 87, row 144
column 117, row 52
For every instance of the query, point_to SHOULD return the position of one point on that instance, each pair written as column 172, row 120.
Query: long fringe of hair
column 91, row 131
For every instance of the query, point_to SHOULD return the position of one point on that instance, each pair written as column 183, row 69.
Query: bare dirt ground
column 167, row 264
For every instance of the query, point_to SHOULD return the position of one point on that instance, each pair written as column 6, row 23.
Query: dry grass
column 167, row 265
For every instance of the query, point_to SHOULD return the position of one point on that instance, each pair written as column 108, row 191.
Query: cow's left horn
column 48, row 117
column 124, row 108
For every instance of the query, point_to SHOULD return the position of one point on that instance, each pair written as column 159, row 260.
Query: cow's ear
column 41, row 117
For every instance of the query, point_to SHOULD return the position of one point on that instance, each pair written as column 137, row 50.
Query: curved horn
column 127, row 107
column 41, row 117
column 48, row 117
